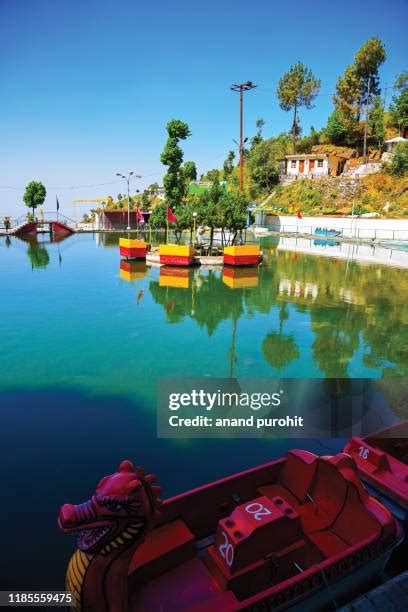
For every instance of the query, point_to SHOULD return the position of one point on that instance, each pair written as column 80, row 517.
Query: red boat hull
column 381, row 462
column 274, row 535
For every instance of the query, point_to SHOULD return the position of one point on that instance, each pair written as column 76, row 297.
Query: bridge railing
column 49, row 216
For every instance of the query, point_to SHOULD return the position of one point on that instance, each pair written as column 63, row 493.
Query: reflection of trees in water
column 280, row 349
column 38, row 255
column 355, row 306
column 207, row 301
column 337, row 337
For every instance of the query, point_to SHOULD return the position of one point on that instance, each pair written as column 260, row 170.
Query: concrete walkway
column 392, row 596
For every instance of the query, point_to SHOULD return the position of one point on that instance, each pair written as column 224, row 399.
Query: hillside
column 377, row 193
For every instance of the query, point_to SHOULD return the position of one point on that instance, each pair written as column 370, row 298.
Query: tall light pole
column 241, row 87
column 127, row 179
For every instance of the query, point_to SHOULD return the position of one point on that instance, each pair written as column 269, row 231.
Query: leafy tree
column 260, row 124
column 119, row 197
column 145, row 200
column 263, row 167
column 307, row 142
column 399, row 104
column 34, row 195
column 233, row 213
column 172, row 156
column 359, row 82
column 398, row 165
column 190, row 174
column 209, row 208
column 229, row 164
column 153, row 189
column 158, row 216
column 263, row 163
column 335, row 129
column 298, row 87
column 213, row 175
column 376, row 122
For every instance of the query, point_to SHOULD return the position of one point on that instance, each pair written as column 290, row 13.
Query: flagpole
column 137, row 222
column 167, row 230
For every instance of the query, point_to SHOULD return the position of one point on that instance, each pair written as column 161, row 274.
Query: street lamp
column 194, row 221
column 127, row 179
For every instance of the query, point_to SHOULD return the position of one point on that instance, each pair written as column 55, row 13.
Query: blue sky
column 88, row 86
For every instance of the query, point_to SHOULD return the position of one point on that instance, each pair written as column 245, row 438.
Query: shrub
column 398, row 165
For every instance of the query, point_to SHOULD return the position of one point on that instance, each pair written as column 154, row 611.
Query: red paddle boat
column 382, row 463
column 300, row 532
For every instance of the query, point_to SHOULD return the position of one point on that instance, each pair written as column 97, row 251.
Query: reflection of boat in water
column 175, row 276
column 323, row 231
column 132, row 270
column 298, row 532
column 240, row 278
column 326, row 243
column 382, row 462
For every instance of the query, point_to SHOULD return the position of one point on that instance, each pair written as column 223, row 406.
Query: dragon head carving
column 122, row 508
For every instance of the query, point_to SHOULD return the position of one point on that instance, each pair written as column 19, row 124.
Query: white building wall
column 316, row 170
column 387, row 229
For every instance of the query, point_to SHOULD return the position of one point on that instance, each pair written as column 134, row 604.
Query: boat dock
column 392, row 596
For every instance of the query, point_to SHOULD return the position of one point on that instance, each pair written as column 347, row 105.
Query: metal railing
column 41, row 219
column 352, row 232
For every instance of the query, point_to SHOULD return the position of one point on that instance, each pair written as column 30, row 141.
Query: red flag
column 171, row 216
column 139, row 215
column 299, row 215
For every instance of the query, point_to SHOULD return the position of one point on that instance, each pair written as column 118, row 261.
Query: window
column 320, row 163
column 293, row 163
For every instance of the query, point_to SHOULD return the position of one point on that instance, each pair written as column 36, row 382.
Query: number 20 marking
column 227, row 551
column 258, row 510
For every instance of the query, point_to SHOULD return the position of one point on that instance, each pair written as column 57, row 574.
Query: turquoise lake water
column 84, row 340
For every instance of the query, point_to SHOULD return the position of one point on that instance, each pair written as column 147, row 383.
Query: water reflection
column 131, row 271
column 349, row 309
column 36, row 253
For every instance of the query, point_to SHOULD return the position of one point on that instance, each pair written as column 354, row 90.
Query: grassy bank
column 378, row 193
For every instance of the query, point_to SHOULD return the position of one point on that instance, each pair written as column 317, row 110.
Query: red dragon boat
column 300, row 532
column 382, row 463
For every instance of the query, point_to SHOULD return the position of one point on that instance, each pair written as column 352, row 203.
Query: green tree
column 335, row 129
column 172, row 156
column 232, row 213
column 399, row 104
column 213, row 175
column 307, row 142
column 376, row 122
column 190, row 174
column 355, row 89
column 263, row 163
column 298, row 87
column 398, row 165
column 263, row 167
column 209, row 208
column 153, row 189
column 34, row 195
column 158, row 216
column 260, row 124
column 145, row 200
column 229, row 164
